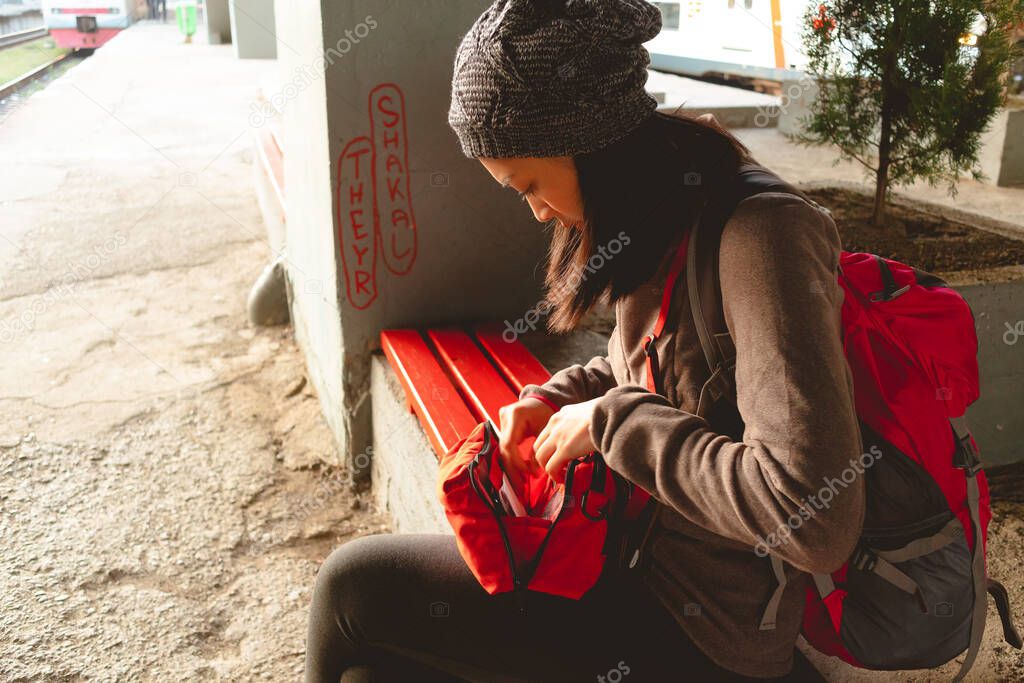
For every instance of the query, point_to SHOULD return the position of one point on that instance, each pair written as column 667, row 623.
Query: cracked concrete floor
column 166, row 481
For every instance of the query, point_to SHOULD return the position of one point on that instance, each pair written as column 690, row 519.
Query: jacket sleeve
column 795, row 484
column 578, row 383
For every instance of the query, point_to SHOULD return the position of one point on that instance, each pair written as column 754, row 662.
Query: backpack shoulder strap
column 703, row 284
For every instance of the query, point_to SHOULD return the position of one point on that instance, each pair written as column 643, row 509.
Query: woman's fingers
column 512, row 464
column 555, row 466
column 562, row 436
column 545, row 451
column 514, row 429
column 545, row 435
column 526, row 447
column 511, row 431
column 554, row 461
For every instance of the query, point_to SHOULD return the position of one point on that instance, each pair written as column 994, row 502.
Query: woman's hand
column 519, row 421
column 565, row 437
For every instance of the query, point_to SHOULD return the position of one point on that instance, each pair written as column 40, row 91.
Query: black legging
column 404, row 607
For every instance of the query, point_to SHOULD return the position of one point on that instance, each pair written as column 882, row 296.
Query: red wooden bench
column 456, row 377
column 271, row 154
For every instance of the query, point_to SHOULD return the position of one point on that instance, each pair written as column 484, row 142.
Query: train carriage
column 89, row 23
column 752, row 39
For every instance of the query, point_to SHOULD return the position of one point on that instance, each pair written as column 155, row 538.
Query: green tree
column 907, row 87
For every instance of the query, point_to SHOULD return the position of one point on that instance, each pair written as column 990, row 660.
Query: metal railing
column 22, row 36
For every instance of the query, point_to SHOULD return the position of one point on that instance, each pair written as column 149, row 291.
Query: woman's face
column 548, row 184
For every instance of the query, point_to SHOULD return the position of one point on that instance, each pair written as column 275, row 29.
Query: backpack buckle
column 886, row 295
column 648, row 343
column 965, row 454
column 864, row 559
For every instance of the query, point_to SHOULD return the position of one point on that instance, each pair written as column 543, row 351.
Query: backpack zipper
column 638, row 553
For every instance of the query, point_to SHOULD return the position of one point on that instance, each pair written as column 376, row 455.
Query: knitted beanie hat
column 542, row 78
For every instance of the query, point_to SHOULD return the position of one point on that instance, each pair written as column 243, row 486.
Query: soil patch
column 924, row 240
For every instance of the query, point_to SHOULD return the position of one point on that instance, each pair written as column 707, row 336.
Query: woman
column 549, row 97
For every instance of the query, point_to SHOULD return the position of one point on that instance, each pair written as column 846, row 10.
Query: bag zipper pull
column 637, row 554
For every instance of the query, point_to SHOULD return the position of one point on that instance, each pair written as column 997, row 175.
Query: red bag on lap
column 552, row 539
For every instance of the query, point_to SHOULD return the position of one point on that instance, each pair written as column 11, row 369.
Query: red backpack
column 547, row 538
column 913, row 594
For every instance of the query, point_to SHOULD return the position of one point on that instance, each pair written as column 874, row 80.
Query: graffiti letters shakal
column 373, row 204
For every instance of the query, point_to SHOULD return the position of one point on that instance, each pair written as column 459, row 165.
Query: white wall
column 252, row 27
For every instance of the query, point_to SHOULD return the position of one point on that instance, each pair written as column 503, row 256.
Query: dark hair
column 641, row 191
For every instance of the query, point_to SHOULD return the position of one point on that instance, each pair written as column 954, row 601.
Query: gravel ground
column 183, row 543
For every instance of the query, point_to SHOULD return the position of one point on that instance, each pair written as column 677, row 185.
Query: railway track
column 15, row 91
column 11, row 87
column 10, row 39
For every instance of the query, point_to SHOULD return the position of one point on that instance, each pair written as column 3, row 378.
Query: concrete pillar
column 364, row 100
column 1001, row 155
column 252, row 28
column 218, row 21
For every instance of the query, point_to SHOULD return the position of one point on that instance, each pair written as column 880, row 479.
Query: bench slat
column 272, row 159
column 429, row 391
column 513, row 359
column 480, row 381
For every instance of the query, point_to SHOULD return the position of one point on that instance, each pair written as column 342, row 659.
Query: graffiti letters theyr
column 373, row 204
column 354, row 199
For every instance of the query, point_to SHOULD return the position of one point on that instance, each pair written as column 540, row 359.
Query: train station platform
column 142, row 137
column 131, row 234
